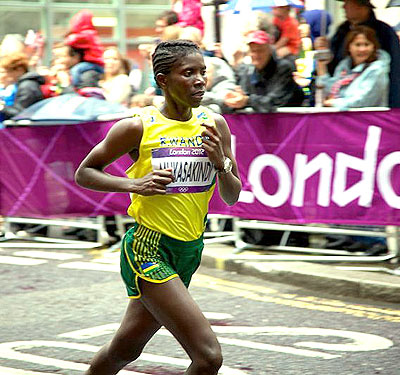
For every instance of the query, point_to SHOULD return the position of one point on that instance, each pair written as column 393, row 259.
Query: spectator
column 319, row 21
column 14, row 70
column 397, row 29
column 267, row 83
column 305, row 35
column 362, row 78
column 12, row 43
column 289, row 42
column 116, row 85
column 83, row 52
column 256, row 20
column 360, row 12
column 189, row 12
column 167, row 18
column 171, row 32
column 7, row 92
column 220, row 81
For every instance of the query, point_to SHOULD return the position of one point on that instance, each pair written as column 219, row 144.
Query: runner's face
column 186, row 83
column 361, row 49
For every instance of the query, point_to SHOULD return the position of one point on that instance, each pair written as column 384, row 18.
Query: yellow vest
column 166, row 143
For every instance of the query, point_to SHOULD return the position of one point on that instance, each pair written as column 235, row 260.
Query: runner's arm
column 124, row 137
column 218, row 147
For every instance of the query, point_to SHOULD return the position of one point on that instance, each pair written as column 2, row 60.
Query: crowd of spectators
column 284, row 59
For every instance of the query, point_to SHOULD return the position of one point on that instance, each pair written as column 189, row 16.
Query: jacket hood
column 83, row 35
column 383, row 62
column 83, row 20
column 32, row 76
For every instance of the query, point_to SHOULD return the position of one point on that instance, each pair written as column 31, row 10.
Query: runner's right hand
column 153, row 183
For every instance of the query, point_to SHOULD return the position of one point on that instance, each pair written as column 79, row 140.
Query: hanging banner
column 338, row 168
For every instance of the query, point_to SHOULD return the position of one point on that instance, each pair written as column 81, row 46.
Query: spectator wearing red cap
column 265, row 84
column 84, row 52
column 360, row 12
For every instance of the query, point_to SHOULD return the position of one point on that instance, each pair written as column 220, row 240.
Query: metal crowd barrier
column 391, row 233
column 216, row 233
column 13, row 239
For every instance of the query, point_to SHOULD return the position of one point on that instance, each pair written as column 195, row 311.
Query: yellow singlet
column 181, row 213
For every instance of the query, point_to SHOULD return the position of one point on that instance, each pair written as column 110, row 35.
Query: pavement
column 381, row 282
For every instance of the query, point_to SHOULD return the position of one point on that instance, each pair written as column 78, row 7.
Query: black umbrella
column 68, row 109
column 393, row 3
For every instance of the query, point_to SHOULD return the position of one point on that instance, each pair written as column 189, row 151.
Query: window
column 85, row 1
column 105, row 22
column 17, row 22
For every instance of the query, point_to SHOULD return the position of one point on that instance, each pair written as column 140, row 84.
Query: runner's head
column 180, row 72
column 170, row 52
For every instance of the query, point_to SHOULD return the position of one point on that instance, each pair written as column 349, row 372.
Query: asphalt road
column 58, row 307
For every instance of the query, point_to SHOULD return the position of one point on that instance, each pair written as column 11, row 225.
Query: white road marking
column 9, row 350
column 107, row 329
column 88, row 333
column 14, row 371
column 5, row 259
column 91, row 266
column 55, row 255
column 355, row 341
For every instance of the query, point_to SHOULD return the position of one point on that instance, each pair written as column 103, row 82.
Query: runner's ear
column 161, row 80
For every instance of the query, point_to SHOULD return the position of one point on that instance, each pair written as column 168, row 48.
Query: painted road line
column 14, row 371
column 19, row 261
column 10, row 350
column 262, row 294
column 47, row 255
column 345, row 341
column 107, row 329
column 90, row 266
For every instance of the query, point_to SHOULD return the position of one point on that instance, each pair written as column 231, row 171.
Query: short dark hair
column 167, row 53
column 369, row 33
column 76, row 52
column 170, row 16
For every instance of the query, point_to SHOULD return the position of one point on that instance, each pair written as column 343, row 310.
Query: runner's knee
column 124, row 350
column 210, row 359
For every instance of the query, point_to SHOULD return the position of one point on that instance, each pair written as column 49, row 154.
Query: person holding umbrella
column 361, row 12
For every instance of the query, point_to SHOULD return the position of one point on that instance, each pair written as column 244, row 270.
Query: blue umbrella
column 69, row 109
column 238, row 6
column 393, row 3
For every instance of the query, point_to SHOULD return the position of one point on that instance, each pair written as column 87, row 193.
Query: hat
column 258, row 37
column 364, row 2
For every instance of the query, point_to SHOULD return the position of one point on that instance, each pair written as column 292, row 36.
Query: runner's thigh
column 136, row 329
column 173, row 307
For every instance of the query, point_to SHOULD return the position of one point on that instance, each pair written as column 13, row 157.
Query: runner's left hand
column 212, row 143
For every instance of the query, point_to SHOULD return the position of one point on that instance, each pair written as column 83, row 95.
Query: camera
column 323, row 55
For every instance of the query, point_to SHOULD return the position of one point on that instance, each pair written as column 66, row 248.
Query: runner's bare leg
column 136, row 329
column 173, row 307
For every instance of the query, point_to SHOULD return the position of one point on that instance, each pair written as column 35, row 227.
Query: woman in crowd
column 14, row 70
column 362, row 78
column 116, row 85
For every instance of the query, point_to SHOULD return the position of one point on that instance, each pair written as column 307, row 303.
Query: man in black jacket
column 15, row 69
column 360, row 12
column 265, row 84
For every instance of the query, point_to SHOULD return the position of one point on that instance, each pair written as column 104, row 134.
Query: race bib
column 192, row 170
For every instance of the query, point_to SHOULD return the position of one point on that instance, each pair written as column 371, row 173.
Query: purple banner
column 339, row 168
column 37, row 172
